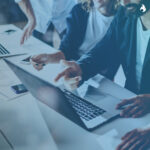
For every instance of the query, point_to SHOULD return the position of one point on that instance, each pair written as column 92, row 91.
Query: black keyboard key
column 84, row 109
column 3, row 51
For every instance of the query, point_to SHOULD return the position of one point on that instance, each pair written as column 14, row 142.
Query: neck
column 146, row 20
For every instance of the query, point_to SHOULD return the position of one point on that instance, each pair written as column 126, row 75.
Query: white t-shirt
column 142, row 43
column 55, row 11
column 97, row 27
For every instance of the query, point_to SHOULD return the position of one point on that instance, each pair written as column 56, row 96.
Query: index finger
column 124, row 102
column 23, row 36
column 60, row 75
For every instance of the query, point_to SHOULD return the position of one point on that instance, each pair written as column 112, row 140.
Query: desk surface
column 70, row 136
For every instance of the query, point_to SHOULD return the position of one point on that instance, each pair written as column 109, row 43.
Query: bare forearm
column 26, row 7
column 56, row 57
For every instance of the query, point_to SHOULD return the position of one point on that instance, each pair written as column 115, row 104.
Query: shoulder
column 78, row 9
column 121, row 13
column 122, row 16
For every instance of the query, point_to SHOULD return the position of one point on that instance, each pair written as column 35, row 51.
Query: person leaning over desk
column 42, row 13
column 127, row 42
column 86, row 26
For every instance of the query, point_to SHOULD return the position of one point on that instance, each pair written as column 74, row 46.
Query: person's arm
column 26, row 7
column 135, row 107
column 39, row 61
column 74, row 32
column 71, row 41
column 104, row 55
column 136, row 140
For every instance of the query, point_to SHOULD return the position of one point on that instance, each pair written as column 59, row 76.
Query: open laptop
column 10, row 37
column 84, row 113
column 13, row 47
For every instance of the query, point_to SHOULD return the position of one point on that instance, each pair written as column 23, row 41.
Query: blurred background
column 10, row 13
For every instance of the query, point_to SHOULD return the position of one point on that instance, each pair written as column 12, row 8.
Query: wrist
column 55, row 57
column 31, row 20
column 80, row 70
column 60, row 55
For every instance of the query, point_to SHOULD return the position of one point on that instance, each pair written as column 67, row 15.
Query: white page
column 32, row 45
column 7, row 79
column 94, row 82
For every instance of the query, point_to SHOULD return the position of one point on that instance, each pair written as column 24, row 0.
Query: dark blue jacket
column 119, row 47
column 75, row 34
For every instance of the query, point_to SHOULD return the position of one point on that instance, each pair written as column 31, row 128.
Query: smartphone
column 18, row 89
column 26, row 61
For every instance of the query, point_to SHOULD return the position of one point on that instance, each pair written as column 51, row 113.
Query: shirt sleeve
column 104, row 55
column 74, row 33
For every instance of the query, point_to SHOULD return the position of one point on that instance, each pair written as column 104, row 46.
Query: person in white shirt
column 127, row 42
column 86, row 26
column 41, row 14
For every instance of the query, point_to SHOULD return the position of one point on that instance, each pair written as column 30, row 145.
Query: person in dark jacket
column 86, row 26
column 127, row 42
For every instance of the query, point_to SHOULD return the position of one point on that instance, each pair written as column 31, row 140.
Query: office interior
column 35, row 112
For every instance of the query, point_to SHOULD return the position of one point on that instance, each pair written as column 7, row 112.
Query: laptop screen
column 46, row 93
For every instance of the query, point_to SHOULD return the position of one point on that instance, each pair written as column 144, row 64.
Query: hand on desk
column 39, row 61
column 137, row 106
column 72, row 74
column 136, row 140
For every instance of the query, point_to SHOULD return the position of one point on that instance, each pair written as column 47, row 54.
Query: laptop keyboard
column 84, row 109
column 3, row 51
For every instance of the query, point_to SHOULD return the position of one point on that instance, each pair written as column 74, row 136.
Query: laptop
column 5, row 144
column 13, row 47
column 81, row 111
column 10, row 37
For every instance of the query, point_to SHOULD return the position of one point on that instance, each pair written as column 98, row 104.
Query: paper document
column 94, row 82
column 7, row 79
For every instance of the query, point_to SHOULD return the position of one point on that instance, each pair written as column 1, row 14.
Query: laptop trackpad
column 103, row 100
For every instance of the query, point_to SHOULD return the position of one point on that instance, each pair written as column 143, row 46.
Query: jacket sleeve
column 74, row 33
column 104, row 55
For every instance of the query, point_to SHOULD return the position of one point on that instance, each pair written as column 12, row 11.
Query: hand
column 39, row 61
column 26, row 7
column 28, row 30
column 137, row 106
column 72, row 74
column 135, row 140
